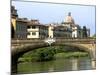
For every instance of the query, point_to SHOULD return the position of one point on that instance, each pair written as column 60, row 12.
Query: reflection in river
column 71, row 64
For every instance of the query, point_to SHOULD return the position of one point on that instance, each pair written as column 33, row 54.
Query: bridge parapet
column 57, row 40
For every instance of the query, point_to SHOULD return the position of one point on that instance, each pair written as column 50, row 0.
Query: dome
column 69, row 19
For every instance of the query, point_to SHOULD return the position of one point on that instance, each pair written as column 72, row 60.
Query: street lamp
column 50, row 41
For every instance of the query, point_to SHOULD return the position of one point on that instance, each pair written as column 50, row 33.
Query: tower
column 69, row 14
column 68, row 19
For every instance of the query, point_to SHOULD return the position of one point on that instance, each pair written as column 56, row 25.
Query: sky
column 56, row 13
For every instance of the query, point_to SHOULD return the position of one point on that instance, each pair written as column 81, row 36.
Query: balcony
column 32, row 29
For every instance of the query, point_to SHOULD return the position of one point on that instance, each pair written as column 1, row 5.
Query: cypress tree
column 84, row 32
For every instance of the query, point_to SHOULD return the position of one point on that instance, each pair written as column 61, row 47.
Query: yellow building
column 50, row 31
column 14, row 16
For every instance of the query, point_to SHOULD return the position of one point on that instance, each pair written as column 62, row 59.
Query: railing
column 31, row 29
column 54, row 37
column 26, row 41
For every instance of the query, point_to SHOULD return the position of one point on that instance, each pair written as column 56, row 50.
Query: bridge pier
column 14, row 65
column 93, row 54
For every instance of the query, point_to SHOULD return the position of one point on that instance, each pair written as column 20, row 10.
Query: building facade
column 62, row 32
column 36, row 30
column 75, row 28
column 50, row 30
column 22, row 28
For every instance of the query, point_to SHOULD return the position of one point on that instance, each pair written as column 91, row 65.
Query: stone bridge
column 19, row 47
column 22, row 46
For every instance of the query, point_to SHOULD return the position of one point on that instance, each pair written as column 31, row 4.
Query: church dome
column 69, row 19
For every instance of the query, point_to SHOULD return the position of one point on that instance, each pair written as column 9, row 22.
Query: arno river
column 58, row 65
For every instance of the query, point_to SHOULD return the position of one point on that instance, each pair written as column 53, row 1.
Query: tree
column 44, row 54
column 84, row 32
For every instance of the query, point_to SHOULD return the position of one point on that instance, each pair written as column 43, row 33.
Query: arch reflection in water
column 57, row 65
column 93, row 63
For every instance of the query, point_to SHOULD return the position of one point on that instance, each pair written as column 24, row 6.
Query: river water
column 58, row 65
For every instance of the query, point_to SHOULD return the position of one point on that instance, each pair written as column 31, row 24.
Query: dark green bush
column 49, row 53
column 44, row 54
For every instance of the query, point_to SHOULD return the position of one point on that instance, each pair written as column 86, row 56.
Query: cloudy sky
column 50, row 13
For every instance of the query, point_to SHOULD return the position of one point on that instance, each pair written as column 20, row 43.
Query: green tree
column 43, row 54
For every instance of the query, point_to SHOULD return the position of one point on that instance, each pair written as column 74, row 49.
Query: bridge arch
column 19, row 51
column 19, row 47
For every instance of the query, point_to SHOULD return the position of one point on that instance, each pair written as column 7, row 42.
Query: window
column 28, row 26
column 33, row 26
column 28, row 33
column 33, row 33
